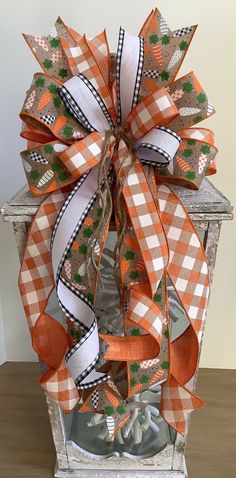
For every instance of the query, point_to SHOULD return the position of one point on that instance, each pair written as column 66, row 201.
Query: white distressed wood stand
column 208, row 208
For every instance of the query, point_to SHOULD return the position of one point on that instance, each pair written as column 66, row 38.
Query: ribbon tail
column 107, row 400
column 188, row 272
column 70, row 267
column 176, row 404
column 36, row 282
column 59, row 385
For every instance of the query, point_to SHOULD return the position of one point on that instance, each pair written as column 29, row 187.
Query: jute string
column 105, row 199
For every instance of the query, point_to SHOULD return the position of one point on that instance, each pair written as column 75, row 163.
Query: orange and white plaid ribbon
column 68, row 123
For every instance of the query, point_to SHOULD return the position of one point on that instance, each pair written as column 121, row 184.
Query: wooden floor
column 26, row 448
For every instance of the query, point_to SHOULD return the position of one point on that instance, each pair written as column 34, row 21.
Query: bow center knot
column 120, row 133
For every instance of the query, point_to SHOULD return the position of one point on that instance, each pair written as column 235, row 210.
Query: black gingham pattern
column 95, row 399
column 75, row 232
column 139, row 72
column 95, row 382
column 154, row 163
column 98, row 99
column 86, row 372
column 182, row 31
column 77, row 292
column 64, row 207
column 73, row 108
column 91, row 367
column 118, row 64
column 48, row 119
column 81, row 342
column 158, row 150
column 151, row 73
column 70, row 315
column 173, row 133
column 38, row 158
column 84, row 329
column 126, row 306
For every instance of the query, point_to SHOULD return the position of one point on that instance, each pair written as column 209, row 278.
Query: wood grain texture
column 26, row 447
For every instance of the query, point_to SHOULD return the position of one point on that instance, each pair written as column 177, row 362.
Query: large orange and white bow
column 119, row 144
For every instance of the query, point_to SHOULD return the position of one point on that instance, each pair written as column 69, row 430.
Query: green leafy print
column 68, row 131
column 48, row 64
column 109, row 411
column 75, row 334
column 205, row 149
column 40, row 82
column 56, row 167
column 77, row 278
column 121, row 409
column 96, row 224
column 87, row 232
column 165, row 40
column 165, row 365
column 144, row 379
column 157, row 297
column 99, row 212
column 132, row 382
column 201, row 98
column 54, row 43
column 197, row 119
column 129, row 255
column 190, row 175
column 48, row 149
column 187, row 87
column 133, row 275
column 52, row 88
column 135, row 331
column 83, row 249
column 153, row 39
column 90, row 297
column 63, row 176
column 187, row 153
column 166, row 334
column 57, row 102
column 164, row 75
column 63, row 73
column 183, row 45
column 191, row 142
column 34, row 175
column 134, row 367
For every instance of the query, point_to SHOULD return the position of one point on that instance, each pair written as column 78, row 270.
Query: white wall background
column 212, row 56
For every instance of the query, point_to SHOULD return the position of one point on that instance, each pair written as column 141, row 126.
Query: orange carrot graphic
column 114, row 401
column 157, row 376
column 124, row 266
column 136, row 389
column 157, row 53
column 183, row 164
column 45, row 99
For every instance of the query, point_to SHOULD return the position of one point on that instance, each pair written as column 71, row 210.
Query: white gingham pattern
column 143, row 214
column 36, row 276
column 176, row 404
column 187, row 267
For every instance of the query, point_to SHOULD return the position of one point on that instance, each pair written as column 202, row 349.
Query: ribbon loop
column 156, row 109
column 85, row 104
column 158, row 147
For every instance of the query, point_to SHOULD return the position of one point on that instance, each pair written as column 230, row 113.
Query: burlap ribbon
column 114, row 147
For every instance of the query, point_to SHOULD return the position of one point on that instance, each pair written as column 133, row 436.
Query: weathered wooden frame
column 207, row 208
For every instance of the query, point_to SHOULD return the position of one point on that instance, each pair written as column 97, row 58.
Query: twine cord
column 106, row 199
